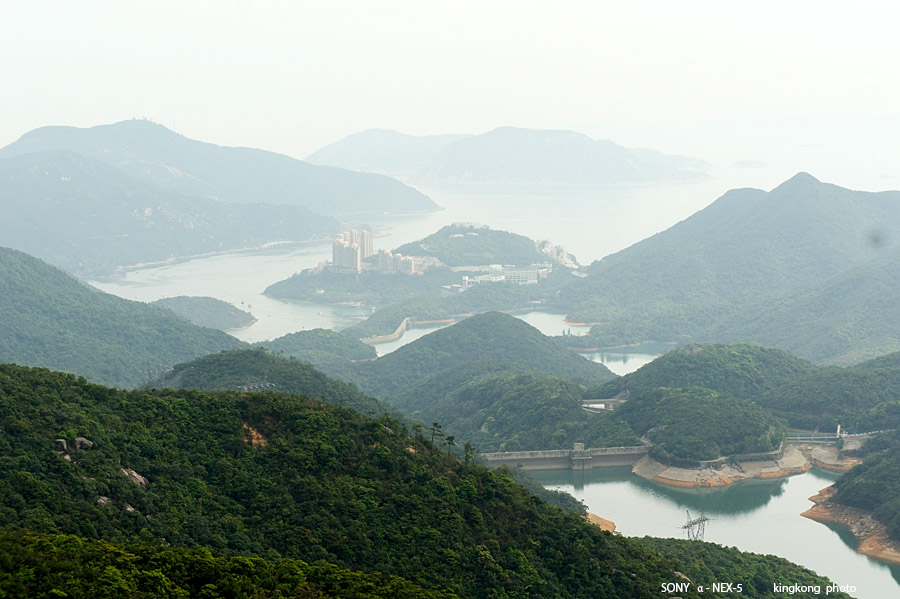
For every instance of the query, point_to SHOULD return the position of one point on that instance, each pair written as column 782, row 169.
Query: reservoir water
column 761, row 516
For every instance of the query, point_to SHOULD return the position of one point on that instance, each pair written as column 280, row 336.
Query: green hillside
column 321, row 347
column 708, row 561
column 478, row 299
column 259, row 370
column 874, row 485
column 515, row 412
column 90, row 218
column 285, row 477
column 207, row 312
column 489, row 336
column 468, row 245
column 45, row 565
column 690, row 425
column 238, row 175
column 742, row 371
column 843, row 320
column 716, row 273
column 862, row 398
column 48, row 318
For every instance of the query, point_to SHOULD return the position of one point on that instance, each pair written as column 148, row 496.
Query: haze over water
column 589, row 222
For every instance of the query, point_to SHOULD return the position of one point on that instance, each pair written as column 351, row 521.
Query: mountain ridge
column 48, row 318
column 702, row 278
column 178, row 164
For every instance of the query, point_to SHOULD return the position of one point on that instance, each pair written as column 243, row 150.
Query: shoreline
column 871, row 534
column 121, row 271
column 241, row 328
column 796, row 459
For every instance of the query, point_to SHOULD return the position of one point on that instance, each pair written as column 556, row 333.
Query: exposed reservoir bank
column 871, row 534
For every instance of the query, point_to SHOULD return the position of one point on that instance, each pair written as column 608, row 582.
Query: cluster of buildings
column 528, row 275
column 349, row 249
column 388, row 262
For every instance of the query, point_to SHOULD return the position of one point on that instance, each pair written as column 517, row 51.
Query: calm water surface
column 240, row 279
column 761, row 516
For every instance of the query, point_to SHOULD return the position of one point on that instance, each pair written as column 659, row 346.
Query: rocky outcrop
column 253, row 437
column 135, row 477
column 82, row 443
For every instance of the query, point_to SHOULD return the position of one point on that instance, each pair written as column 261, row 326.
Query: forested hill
column 259, row 370
column 705, row 277
column 280, row 476
column 843, row 320
column 501, row 406
column 874, row 485
column 243, row 175
column 863, row 397
column 689, row 425
column 468, row 245
column 49, row 318
column 860, row 398
column 88, row 217
column 489, row 336
column 321, row 347
column 742, row 370
column 40, row 565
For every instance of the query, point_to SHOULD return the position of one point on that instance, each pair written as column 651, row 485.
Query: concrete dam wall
column 574, row 459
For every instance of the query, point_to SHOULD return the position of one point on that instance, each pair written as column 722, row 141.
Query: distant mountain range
column 184, row 166
column 92, row 200
column 49, row 318
column 90, row 218
column 507, row 156
column 808, row 267
column 383, row 151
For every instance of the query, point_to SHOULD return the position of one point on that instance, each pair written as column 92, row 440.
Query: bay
column 240, row 279
column 761, row 516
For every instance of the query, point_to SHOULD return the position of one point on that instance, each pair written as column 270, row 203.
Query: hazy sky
column 809, row 85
